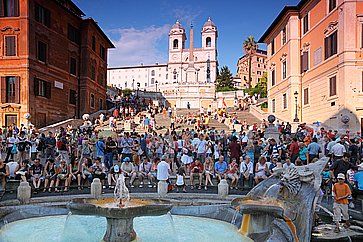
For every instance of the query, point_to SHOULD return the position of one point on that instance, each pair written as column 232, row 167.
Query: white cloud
column 135, row 46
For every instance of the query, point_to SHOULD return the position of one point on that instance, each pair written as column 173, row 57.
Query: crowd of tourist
column 74, row 156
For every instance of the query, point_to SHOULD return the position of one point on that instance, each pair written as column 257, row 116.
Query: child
column 180, row 179
column 341, row 192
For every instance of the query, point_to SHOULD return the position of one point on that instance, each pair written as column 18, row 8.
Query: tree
column 260, row 88
column 224, row 80
column 250, row 47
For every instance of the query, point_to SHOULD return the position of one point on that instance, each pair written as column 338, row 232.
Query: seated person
column 196, row 169
column 4, row 173
column 49, row 174
column 145, row 171
column 36, row 174
column 127, row 168
column 22, row 171
column 232, row 173
column 74, row 172
column 62, row 175
column 114, row 173
column 288, row 164
column 246, row 172
column 180, row 179
column 220, row 168
column 86, row 170
column 98, row 170
column 261, row 170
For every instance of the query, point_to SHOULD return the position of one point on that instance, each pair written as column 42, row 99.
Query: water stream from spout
column 65, row 228
column 121, row 191
column 272, row 191
column 234, row 218
column 170, row 217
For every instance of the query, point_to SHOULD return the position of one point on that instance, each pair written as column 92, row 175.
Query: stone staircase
column 246, row 115
column 165, row 122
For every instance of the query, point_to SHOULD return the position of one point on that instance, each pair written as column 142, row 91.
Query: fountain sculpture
column 119, row 211
column 281, row 208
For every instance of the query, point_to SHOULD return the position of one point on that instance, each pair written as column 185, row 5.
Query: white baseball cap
column 341, row 176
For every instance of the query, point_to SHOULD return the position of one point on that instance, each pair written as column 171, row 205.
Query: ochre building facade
column 53, row 62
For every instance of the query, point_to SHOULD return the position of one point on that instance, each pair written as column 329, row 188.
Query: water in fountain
column 170, row 217
column 121, row 192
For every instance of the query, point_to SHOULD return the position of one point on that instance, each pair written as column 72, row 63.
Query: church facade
column 188, row 76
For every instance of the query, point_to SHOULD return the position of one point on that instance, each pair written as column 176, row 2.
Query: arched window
column 175, row 44
column 208, row 42
column 152, row 73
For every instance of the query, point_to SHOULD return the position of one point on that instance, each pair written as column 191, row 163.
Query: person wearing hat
column 341, row 192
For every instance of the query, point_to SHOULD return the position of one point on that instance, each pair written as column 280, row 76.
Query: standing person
column 10, row 142
column 235, row 148
column 180, row 179
column 126, row 145
column 50, row 144
column 314, row 150
column 188, row 106
column 110, row 148
column 163, row 170
column 22, row 145
column 100, row 148
column 341, row 192
column 294, row 150
column 34, row 146
column 4, row 173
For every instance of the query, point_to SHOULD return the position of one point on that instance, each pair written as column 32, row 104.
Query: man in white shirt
column 338, row 150
column 163, row 170
column 246, row 172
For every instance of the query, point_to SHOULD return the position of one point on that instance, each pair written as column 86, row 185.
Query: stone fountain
column 281, row 208
column 119, row 211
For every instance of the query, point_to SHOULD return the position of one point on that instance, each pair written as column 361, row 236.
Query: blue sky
column 139, row 28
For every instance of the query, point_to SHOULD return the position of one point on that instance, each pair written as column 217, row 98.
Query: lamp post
column 296, row 119
column 156, row 86
column 133, row 84
column 235, row 99
column 137, row 93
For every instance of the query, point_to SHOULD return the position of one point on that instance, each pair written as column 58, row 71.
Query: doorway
column 11, row 119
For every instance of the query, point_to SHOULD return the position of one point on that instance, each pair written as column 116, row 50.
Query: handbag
column 14, row 149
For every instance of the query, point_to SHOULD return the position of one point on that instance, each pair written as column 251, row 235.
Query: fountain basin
column 106, row 207
column 120, row 224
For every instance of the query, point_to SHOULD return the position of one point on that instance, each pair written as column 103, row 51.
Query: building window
column 332, row 86
column 273, row 78
column 12, row 84
column 92, row 100
column 9, row 8
column 304, row 62
column 332, row 5
column 273, row 47
column 175, row 44
column 166, row 76
column 42, row 15
column 306, row 23
column 284, row 35
column 10, row 46
column 208, row 42
column 306, row 96
column 152, row 81
column 74, row 34
column 284, row 75
column 73, row 66
column 273, row 105
column 102, row 52
column 331, row 45
column 152, row 73
column 72, row 97
column 42, row 88
column 93, row 43
column 100, row 103
column 42, row 51
column 284, row 101
column 93, row 72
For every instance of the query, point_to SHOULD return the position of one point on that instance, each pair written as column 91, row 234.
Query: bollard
column 96, row 188
column 223, row 188
column 162, row 188
column 24, row 192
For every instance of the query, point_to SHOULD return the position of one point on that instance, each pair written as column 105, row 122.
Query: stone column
column 223, row 188
column 24, row 192
column 162, row 188
column 96, row 188
column 119, row 230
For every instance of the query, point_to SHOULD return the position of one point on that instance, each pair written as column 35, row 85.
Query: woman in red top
column 232, row 173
